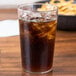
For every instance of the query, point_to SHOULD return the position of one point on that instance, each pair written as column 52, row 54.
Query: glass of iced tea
column 37, row 23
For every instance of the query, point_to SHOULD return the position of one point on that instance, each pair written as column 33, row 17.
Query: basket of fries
column 66, row 14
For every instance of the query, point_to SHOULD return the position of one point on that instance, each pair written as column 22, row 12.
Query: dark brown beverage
column 37, row 44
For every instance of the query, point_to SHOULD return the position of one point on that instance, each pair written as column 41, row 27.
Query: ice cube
column 46, row 16
column 26, row 15
column 36, row 26
column 36, row 14
column 52, row 31
column 42, row 34
column 49, row 36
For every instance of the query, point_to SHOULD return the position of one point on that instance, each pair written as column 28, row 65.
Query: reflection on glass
column 31, row 74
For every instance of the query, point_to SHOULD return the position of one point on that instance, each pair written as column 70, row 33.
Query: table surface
column 64, row 55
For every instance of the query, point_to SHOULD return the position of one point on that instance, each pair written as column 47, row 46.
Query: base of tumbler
column 39, row 72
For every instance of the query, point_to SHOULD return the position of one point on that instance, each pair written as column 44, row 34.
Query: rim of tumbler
column 28, row 4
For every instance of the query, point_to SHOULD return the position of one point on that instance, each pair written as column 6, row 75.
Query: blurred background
column 66, row 8
column 66, row 13
column 13, row 3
